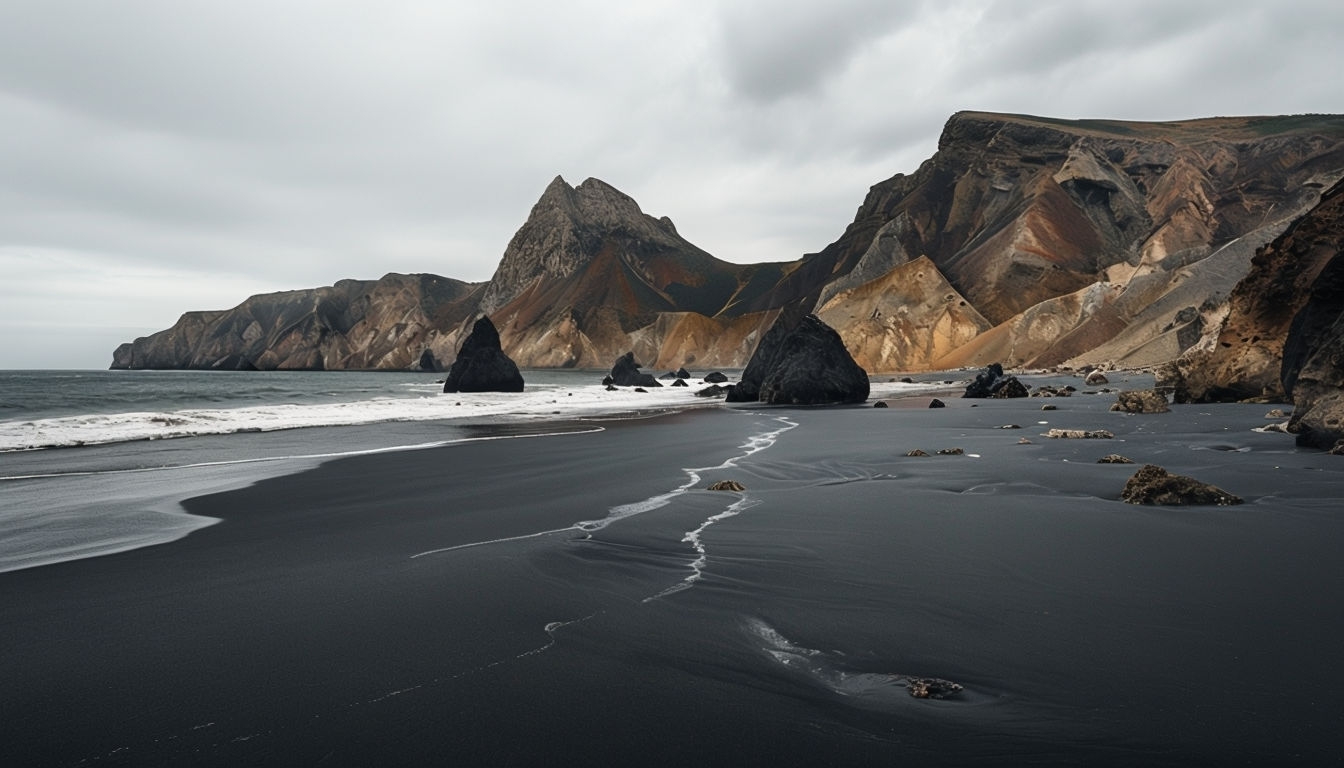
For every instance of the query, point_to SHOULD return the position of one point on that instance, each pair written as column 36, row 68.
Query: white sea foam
column 540, row 403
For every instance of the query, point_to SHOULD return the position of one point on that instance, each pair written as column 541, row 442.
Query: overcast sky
column 166, row 156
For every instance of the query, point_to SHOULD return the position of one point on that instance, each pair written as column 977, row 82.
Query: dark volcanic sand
column 301, row 631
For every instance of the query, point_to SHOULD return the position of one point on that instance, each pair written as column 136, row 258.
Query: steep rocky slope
column 1023, row 240
column 1243, row 356
column 1159, row 219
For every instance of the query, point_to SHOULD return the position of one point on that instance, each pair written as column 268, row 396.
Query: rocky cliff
column 1243, row 356
column 355, row 324
column 1023, row 240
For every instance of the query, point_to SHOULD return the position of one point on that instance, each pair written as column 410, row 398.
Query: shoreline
column 398, row 606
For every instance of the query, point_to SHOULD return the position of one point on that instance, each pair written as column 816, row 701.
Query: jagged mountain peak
column 566, row 229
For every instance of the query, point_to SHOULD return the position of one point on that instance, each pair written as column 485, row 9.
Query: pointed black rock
column 481, row 365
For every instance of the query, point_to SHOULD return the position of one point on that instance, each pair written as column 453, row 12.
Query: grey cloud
column 774, row 50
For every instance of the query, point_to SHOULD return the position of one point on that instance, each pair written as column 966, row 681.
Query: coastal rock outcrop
column 481, row 365
column 992, row 382
column 1245, row 357
column 1313, row 360
column 1154, row 485
column 805, row 364
column 625, row 373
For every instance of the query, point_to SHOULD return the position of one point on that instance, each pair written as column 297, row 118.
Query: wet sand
column 578, row 599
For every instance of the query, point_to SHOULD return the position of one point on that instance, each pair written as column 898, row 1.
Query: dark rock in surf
column 714, row 377
column 680, row 383
column 992, row 382
column 916, row 453
column 936, row 403
column 727, row 485
column 880, row 404
column 1114, row 458
column 1154, row 485
column 682, row 374
column 481, row 365
column 802, row 364
column 712, row 391
column 625, row 373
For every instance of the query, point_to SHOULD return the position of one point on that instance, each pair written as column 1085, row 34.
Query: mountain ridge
column 1147, row 226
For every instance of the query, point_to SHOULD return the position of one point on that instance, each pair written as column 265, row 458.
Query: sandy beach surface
column 579, row 599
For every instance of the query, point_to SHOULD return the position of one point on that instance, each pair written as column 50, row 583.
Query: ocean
column 94, row 462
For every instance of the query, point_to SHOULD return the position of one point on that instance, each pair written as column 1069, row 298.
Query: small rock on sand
column 1141, row 401
column 1081, row 434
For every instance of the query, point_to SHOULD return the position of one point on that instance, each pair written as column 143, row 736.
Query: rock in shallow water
column 931, row 687
column 1081, row 434
column 727, row 485
column 481, row 365
column 1154, row 485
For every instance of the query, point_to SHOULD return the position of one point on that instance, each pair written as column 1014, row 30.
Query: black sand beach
column 305, row 630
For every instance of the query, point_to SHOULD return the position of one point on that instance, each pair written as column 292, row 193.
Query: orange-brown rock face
column 904, row 320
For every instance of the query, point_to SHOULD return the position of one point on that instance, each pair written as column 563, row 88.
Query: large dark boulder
column 481, row 365
column 682, row 373
column 625, row 373
column 805, row 365
column 992, row 382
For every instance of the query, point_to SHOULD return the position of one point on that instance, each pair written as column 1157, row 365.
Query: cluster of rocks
column 992, row 382
column 625, row 372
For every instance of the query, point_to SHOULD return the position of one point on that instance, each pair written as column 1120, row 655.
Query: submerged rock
column 481, row 365
column 931, row 687
column 1141, row 401
column 625, row 373
column 727, row 485
column 1154, row 485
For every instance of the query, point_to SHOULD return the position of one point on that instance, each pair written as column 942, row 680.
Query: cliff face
column 1244, row 356
column 354, row 324
column 1023, row 240
column 1019, row 212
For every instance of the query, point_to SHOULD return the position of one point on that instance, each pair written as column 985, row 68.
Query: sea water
column 96, row 462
